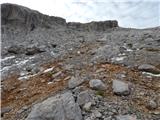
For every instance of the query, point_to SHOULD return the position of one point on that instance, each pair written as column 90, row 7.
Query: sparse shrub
column 100, row 92
column 49, row 74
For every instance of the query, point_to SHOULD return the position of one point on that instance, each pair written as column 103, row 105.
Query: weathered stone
column 93, row 26
column 84, row 97
column 97, row 84
column 74, row 82
column 16, row 49
column 126, row 117
column 59, row 107
column 149, row 68
column 19, row 15
column 78, row 89
column 151, row 104
column 120, row 88
column 33, row 50
column 5, row 110
column 87, row 106
column 97, row 114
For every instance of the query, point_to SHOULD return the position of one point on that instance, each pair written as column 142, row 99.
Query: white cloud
column 129, row 13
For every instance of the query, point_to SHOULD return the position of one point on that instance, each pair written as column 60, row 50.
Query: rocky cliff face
column 93, row 26
column 51, row 69
column 19, row 15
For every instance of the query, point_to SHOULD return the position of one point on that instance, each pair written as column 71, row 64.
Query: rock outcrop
column 93, row 26
column 19, row 15
column 59, row 107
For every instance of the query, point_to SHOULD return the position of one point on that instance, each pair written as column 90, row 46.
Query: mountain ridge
column 16, row 14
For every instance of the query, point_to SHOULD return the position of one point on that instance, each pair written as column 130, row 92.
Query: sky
column 128, row 13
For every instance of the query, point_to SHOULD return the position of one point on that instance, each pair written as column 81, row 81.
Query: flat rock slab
column 59, row 107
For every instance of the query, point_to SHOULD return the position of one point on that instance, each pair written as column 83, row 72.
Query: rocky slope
column 52, row 69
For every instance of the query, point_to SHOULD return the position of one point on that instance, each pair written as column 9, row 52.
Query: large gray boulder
column 120, row 87
column 59, row 107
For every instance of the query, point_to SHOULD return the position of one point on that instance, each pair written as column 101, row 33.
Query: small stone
column 31, row 50
column 56, row 74
column 78, row 52
column 97, row 114
column 126, row 117
column 16, row 49
column 5, row 110
column 156, row 112
column 36, row 70
column 59, row 107
column 87, row 106
column 48, row 70
column 22, row 109
column 149, row 68
column 108, row 118
column 84, row 97
column 97, row 84
column 120, row 87
column 78, row 89
column 74, row 82
column 151, row 105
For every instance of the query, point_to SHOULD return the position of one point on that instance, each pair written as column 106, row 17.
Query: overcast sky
column 129, row 13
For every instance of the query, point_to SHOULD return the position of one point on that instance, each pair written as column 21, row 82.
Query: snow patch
column 31, row 57
column 48, row 70
column 150, row 74
column 52, row 53
column 22, row 62
column 7, row 58
column 50, row 83
column 26, row 77
column 5, row 68
column 129, row 50
column 18, row 63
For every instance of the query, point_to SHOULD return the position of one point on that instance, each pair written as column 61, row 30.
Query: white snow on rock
column 151, row 74
column 22, row 62
column 118, row 58
column 26, row 77
column 7, row 58
column 48, row 70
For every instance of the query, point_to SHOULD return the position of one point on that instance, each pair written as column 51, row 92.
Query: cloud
column 129, row 13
